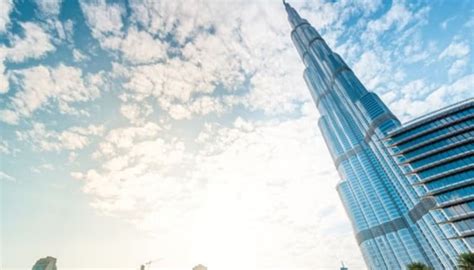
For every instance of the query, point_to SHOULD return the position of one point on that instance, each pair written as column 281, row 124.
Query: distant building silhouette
column 199, row 267
column 48, row 263
column 343, row 267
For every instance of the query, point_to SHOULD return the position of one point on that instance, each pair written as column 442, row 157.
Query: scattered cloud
column 444, row 24
column 74, row 138
column 418, row 98
column 104, row 20
column 42, row 168
column 64, row 85
column 457, row 49
column 7, row 7
column 136, row 113
column 34, row 43
column 6, row 177
column 4, row 147
column 140, row 47
column 458, row 67
column 79, row 56
column 49, row 7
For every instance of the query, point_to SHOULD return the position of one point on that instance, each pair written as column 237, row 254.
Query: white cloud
column 78, row 55
column 456, row 49
column 141, row 47
column 458, row 67
column 173, row 84
column 64, row 85
column 9, row 117
column 4, row 147
column 103, row 18
column 416, row 50
column 42, row 168
column 7, row 7
column 63, row 29
column 417, row 89
column 444, row 24
column 418, row 98
column 6, row 177
column 372, row 70
column 49, row 7
column 123, row 138
column 4, row 83
column 35, row 43
column 136, row 113
column 211, row 59
column 398, row 16
column 178, row 18
column 74, row 138
column 459, row 90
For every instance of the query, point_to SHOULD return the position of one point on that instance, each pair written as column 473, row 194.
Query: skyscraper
column 392, row 225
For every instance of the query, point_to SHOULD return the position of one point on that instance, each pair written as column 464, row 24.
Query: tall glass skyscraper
column 392, row 223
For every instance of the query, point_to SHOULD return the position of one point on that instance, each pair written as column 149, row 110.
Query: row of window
column 314, row 82
column 464, row 226
column 373, row 105
column 439, row 144
column 306, row 33
column 442, row 155
column 438, row 133
column 348, row 84
column 465, row 161
column 437, row 123
column 454, row 195
column 459, row 210
column 375, row 203
column 451, row 180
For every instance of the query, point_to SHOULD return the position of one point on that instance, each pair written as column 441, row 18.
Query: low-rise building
column 48, row 263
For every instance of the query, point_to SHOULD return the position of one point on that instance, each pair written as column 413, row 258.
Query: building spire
column 293, row 16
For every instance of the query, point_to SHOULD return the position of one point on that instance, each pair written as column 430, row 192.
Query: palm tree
column 466, row 261
column 418, row 266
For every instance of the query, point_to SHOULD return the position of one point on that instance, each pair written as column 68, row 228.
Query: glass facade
column 393, row 224
column 438, row 151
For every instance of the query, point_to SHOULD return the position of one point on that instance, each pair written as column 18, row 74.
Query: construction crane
column 147, row 264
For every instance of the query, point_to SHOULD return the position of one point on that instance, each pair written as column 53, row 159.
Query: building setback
column 392, row 223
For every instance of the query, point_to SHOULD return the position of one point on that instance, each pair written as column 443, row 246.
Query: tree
column 418, row 266
column 466, row 261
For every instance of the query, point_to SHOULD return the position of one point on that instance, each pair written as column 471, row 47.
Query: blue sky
column 182, row 130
